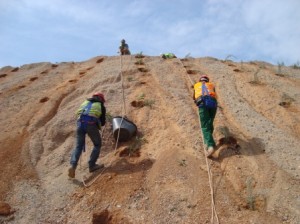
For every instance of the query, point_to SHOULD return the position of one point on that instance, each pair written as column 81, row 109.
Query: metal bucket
column 124, row 128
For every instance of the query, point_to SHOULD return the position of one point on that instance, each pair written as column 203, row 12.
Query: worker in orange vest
column 205, row 99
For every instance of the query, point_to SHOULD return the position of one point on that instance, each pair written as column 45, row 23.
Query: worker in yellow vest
column 91, row 115
column 205, row 99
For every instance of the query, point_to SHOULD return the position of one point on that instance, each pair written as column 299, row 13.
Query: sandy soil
column 164, row 179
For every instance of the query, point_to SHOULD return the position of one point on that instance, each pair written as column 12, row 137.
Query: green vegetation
column 296, row 65
column 141, row 96
column 250, row 196
column 136, row 145
column 130, row 79
column 182, row 162
column 140, row 55
column 279, row 68
column 108, row 116
column 255, row 77
column 149, row 103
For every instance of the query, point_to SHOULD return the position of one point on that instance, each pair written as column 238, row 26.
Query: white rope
column 117, row 140
column 213, row 212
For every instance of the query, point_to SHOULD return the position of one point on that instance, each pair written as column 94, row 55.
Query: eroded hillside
column 161, row 175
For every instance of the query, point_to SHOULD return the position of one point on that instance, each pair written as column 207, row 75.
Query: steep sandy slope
column 164, row 179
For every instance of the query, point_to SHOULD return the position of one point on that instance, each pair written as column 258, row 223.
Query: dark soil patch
column 21, row 87
column 73, row 80
column 45, row 72
column 89, row 68
column 102, row 217
column 100, row 60
column 130, row 152
column 280, row 75
column 236, row 70
column 192, row 72
column 3, row 75
column 33, row 78
column 232, row 65
column 15, row 69
column 143, row 69
column 54, row 65
column 43, row 100
column 138, row 103
column 139, row 56
column 285, row 104
column 139, row 63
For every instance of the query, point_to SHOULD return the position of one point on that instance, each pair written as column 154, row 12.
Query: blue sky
column 77, row 30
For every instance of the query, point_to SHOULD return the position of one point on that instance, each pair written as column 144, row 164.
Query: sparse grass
column 279, row 68
column 149, row 103
column 139, row 62
column 255, row 77
column 296, row 65
column 229, row 56
column 136, row 145
column 130, row 79
column 140, row 55
column 141, row 96
column 225, row 132
column 242, row 65
column 182, row 162
column 250, row 196
column 108, row 116
column 286, row 100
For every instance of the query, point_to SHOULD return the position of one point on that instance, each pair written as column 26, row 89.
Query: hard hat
column 100, row 96
column 123, row 41
column 204, row 78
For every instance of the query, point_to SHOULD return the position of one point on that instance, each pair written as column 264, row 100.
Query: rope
column 117, row 140
column 213, row 209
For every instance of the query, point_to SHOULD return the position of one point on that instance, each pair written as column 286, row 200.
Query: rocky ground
column 161, row 175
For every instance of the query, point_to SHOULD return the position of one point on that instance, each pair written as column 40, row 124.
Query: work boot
column 210, row 151
column 96, row 167
column 71, row 172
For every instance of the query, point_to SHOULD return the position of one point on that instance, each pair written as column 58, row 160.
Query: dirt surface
column 161, row 175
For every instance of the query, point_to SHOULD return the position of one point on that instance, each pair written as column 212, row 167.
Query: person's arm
column 103, row 115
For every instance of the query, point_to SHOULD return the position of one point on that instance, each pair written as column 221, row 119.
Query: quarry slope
column 160, row 175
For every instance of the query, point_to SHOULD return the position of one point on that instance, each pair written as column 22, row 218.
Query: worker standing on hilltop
column 205, row 99
column 90, row 117
column 124, row 49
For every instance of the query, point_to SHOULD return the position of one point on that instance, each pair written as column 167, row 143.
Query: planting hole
column 32, row 79
column 100, row 60
column 138, row 103
column 43, row 100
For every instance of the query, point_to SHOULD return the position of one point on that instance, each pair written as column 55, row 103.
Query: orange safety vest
column 210, row 87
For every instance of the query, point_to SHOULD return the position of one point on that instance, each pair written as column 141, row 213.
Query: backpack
column 206, row 100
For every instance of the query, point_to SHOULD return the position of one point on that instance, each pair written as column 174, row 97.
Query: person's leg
column 80, row 141
column 93, row 133
column 203, row 115
column 210, row 126
column 206, row 126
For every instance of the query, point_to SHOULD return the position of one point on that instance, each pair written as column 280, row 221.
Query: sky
column 55, row 31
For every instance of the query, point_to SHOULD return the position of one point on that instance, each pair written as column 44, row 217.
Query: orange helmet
column 204, row 78
column 100, row 96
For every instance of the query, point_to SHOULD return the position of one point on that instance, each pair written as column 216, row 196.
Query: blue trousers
column 93, row 132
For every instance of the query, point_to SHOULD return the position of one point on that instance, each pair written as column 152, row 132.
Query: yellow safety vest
column 210, row 87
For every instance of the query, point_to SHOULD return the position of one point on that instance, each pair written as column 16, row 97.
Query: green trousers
column 207, row 117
